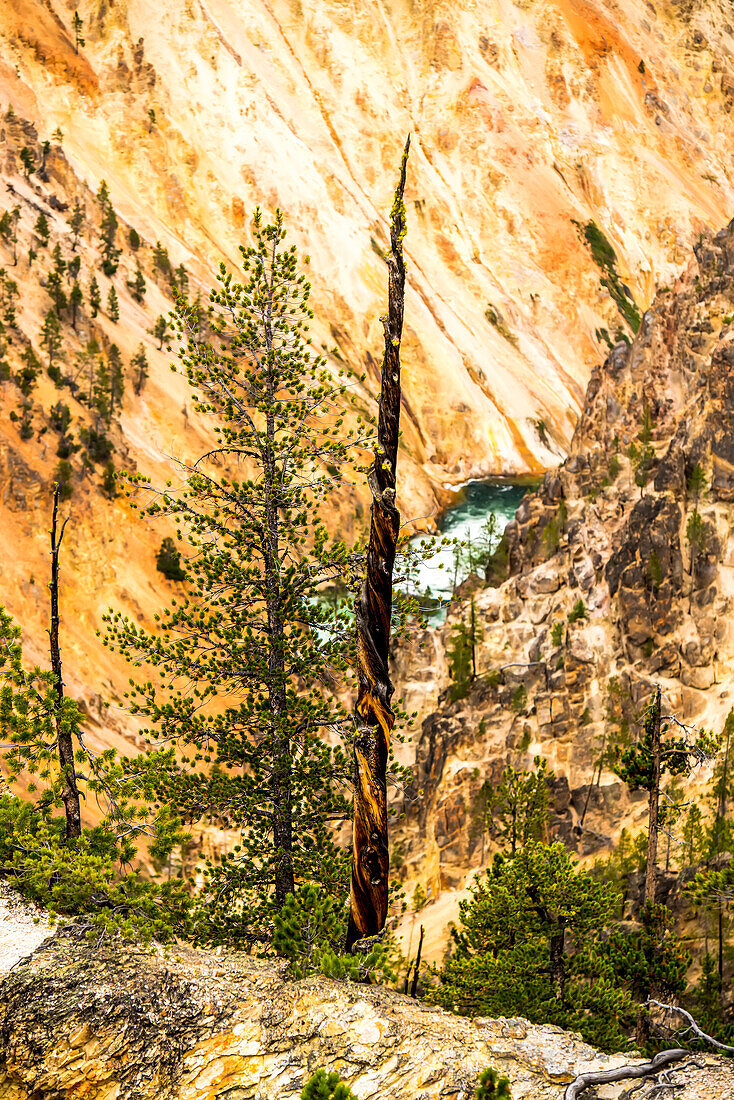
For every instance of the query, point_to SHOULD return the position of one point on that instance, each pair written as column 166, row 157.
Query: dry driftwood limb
column 692, row 1025
column 70, row 793
column 606, row 1076
column 373, row 715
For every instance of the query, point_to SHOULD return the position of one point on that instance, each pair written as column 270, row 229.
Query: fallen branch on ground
column 623, row 1073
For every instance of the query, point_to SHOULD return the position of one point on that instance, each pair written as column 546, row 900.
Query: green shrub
column 310, row 931
column 557, row 634
column 533, row 943
column 323, row 1086
column 578, row 611
column 492, row 1086
column 519, row 699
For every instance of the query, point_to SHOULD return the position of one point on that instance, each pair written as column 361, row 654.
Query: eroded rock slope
column 654, row 608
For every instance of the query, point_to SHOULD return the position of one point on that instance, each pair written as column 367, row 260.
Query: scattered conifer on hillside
column 76, row 222
column 75, row 300
column 28, row 160
column 139, row 363
column 76, row 25
column 108, row 232
column 94, row 296
column 136, row 285
column 42, row 230
column 113, row 305
column 50, row 339
column 168, row 561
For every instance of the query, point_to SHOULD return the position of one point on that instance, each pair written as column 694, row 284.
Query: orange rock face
column 526, row 118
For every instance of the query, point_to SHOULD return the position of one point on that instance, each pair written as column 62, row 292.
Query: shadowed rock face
column 652, row 609
column 82, row 1021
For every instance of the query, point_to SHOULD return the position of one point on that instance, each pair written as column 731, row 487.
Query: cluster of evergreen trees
column 240, row 693
column 543, row 938
column 73, row 350
column 242, row 714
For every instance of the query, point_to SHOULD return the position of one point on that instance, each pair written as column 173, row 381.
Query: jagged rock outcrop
column 99, row 1022
column 652, row 607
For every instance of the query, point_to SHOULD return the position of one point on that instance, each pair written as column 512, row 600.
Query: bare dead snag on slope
column 692, row 1026
column 70, row 792
column 654, row 813
column 373, row 714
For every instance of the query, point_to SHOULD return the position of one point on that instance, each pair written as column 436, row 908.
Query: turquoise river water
column 465, row 520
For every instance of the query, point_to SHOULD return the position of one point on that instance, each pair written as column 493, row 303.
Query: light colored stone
column 384, row 1045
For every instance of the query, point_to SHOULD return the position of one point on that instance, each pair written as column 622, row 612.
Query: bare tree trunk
column 557, row 964
column 281, row 776
column 70, row 792
column 373, row 715
column 416, row 972
column 652, row 824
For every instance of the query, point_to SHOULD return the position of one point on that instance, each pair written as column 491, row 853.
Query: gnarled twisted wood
column 70, row 792
column 584, row 1081
column 373, row 715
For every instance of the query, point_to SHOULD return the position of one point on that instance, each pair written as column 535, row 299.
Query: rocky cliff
column 655, row 605
column 532, row 122
column 84, row 1021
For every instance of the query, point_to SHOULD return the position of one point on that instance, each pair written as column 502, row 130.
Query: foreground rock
column 79, row 1021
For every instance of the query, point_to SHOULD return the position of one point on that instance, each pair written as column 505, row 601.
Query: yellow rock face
column 525, row 116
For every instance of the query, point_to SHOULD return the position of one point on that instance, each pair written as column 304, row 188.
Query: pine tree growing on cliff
column 139, row 363
column 108, row 232
column 247, row 656
column 53, row 858
column 76, row 222
column 517, row 808
column 41, row 229
column 76, row 25
column 642, row 454
column 695, row 528
column 531, row 944
column 94, row 298
column 113, row 305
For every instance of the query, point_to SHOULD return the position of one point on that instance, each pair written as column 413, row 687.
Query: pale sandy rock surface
column 23, row 928
column 78, row 1022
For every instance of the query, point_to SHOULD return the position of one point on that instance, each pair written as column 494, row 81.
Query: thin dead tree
column 373, row 714
column 70, row 791
column 654, row 809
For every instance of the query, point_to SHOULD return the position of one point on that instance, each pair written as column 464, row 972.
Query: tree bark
column 281, row 778
column 416, row 971
column 70, row 792
column 373, row 715
column 557, row 964
column 652, row 824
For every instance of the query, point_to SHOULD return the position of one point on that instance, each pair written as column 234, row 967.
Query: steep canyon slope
column 611, row 590
column 527, row 118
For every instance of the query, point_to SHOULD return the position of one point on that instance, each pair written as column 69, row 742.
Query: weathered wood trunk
column 70, row 792
column 652, row 833
column 373, row 715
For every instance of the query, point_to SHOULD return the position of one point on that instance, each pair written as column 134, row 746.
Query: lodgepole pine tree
column 113, row 305
column 642, row 765
column 76, row 222
column 247, row 655
column 373, row 714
